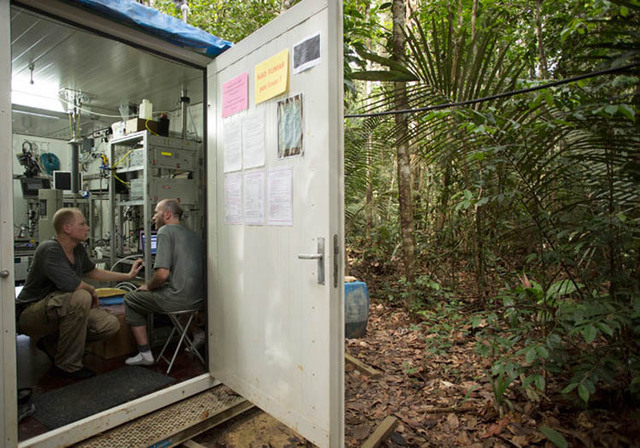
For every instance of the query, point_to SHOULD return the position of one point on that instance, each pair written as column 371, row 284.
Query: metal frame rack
column 148, row 165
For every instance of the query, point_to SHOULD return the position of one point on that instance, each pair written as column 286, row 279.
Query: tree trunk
column 444, row 197
column 544, row 71
column 368, row 208
column 402, row 145
column 474, row 18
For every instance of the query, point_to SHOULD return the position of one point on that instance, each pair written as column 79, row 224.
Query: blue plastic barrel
column 356, row 309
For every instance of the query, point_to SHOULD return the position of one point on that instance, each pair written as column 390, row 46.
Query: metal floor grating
column 160, row 425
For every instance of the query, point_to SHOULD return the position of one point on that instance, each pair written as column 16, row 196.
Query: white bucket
column 118, row 129
column 146, row 110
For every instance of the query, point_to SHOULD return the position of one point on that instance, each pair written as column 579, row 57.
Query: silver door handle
column 310, row 256
column 318, row 256
column 4, row 273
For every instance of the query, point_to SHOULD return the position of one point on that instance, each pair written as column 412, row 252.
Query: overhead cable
column 499, row 95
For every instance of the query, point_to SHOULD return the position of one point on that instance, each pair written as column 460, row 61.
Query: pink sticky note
column 235, row 95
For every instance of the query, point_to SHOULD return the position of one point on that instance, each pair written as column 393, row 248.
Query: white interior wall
column 194, row 122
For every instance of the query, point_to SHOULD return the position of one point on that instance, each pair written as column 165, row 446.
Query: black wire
column 499, row 95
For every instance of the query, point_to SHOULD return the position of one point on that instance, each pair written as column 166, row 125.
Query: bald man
column 177, row 282
column 56, row 307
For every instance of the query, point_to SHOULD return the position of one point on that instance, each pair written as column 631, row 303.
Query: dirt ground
column 440, row 400
column 253, row 429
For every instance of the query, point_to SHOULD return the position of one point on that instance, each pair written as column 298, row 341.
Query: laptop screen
column 154, row 242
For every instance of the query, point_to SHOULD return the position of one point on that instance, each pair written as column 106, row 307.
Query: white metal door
column 276, row 330
column 8, row 394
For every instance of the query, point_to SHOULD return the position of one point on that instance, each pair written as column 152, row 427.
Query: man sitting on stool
column 56, row 307
column 177, row 282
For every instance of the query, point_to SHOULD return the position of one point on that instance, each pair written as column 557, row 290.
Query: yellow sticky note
column 272, row 77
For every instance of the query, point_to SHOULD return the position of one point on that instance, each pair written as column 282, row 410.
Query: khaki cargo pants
column 69, row 318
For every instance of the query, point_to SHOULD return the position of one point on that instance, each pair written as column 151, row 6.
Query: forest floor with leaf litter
column 445, row 399
column 441, row 399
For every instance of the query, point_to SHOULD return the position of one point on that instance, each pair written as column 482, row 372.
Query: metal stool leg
column 193, row 348
column 183, row 333
column 166, row 344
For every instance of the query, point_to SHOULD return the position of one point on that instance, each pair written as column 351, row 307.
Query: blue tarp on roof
column 166, row 27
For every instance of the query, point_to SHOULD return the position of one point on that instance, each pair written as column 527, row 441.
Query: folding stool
column 182, row 331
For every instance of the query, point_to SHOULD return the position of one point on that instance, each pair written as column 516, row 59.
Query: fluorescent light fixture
column 26, row 112
column 36, row 101
column 40, row 95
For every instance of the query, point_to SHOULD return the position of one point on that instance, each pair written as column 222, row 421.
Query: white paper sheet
column 253, row 140
column 280, row 206
column 254, row 197
column 232, row 145
column 233, row 198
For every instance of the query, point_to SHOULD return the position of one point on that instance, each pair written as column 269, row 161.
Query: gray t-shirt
column 182, row 252
column 52, row 271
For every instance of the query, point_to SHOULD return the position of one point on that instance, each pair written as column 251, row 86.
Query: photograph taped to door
column 290, row 127
column 306, row 54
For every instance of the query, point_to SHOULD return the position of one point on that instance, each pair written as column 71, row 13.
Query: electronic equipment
column 62, row 180
column 154, row 242
column 50, row 202
column 31, row 186
column 185, row 190
column 21, row 268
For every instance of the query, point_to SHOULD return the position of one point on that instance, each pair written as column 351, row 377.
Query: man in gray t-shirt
column 178, row 277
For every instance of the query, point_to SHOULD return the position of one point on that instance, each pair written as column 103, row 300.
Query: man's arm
column 106, row 276
column 160, row 275
column 94, row 295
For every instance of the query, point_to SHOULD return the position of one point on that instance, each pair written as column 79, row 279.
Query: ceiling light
column 35, row 114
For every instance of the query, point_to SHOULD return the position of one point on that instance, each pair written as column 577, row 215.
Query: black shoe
column 81, row 374
column 42, row 347
column 25, row 407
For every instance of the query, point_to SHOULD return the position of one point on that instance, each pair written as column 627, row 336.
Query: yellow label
column 272, row 77
column 166, row 154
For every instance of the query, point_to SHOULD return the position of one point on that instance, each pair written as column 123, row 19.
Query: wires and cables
column 146, row 125
column 127, row 286
column 29, row 159
column 93, row 112
column 128, row 257
column 50, row 162
column 122, row 159
column 123, row 182
column 497, row 96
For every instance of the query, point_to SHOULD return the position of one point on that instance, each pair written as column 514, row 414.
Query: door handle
column 317, row 256
column 4, row 273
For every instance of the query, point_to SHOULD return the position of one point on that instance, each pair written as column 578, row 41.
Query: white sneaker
column 141, row 359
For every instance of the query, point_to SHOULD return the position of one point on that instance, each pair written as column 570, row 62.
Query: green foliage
column 441, row 321
column 500, row 382
column 544, row 182
column 548, row 331
column 232, row 21
column 554, row 437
